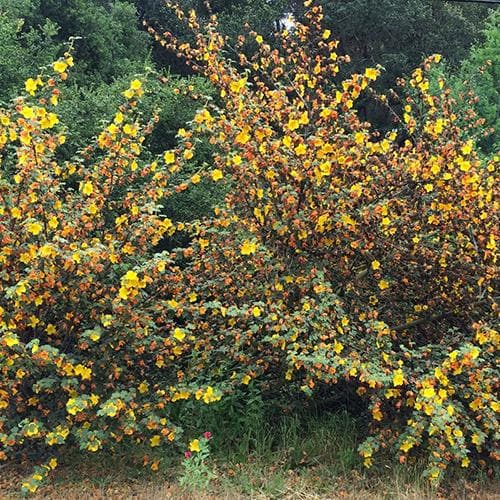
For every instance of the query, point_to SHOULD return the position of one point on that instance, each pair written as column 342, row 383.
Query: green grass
column 258, row 450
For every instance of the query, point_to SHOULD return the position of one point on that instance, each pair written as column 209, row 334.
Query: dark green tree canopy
column 398, row 34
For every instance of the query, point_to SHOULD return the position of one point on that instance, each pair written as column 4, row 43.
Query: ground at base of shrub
column 300, row 457
column 253, row 479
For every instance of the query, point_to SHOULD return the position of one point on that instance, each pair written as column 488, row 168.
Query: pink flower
column 207, row 435
column 188, row 454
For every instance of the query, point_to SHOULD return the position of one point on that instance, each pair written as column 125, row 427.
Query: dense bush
column 338, row 255
column 72, row 236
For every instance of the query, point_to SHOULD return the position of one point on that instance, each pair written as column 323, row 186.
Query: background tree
column 23, row 47
column 481, row 72
column 261, row 15
column 399, row 34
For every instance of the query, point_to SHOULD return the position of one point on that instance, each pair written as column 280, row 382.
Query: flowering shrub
column 339, row 254
column 345, row 254
column 81, row 361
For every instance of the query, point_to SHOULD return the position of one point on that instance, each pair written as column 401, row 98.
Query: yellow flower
column 110, row 408
column 130, row 129
column 94, row 335
column 31, row 487
column 375, row 265
column 194, row 445
column 217, row 174
column 348, row 220
column 155, row 440
column 27, row 112
column 72, row 406
column 53, row 222
column 383, row 284
column 293, row 125
column 210, row 396
column 406, row 446
column 377, row 414
column 31, row 86
column 304, row 118
column 87, row 188
column 300, row 150
column 248, row 247
column 243, row 137
column 129, row 93
column 131, row 280
column 34, row 228
column 371, row 73
column 246, row 379
column 180, row 396
column 428, row 392
column 238, row 86
column 356, row 189
column 21, row 288
column 467, row 147
column 83, row 371
column 60, row 66
column 169, row 157
column 256, row 312
column 287, row 140
column 135, row 84
column 32, row 430
column 179, row 334
column 49, row 120
column 195, row 179
column 94, row 445
column 259, row 39
column 398, row 378
column 106, row 319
